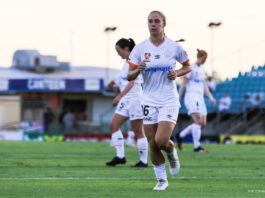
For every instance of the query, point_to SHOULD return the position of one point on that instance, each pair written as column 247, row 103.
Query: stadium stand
column 242, row 118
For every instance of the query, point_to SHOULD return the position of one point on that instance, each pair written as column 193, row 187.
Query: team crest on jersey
column 147, row 57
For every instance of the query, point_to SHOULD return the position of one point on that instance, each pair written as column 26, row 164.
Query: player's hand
column 116, row 100
column 141, row 66
column 213, row 101
column 172, row 75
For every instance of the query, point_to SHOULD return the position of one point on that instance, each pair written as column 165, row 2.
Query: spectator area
column 250, row 83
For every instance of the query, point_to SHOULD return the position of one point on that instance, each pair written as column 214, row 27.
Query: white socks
column 118, row 143
column 130, row 139
column 196, row 133
column 143, row 149
column 195, row 129
column 160, row 172
column 186, row 131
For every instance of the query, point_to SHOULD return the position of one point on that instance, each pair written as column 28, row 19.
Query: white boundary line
column 126, row 178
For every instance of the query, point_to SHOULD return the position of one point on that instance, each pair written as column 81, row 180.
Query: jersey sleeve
column 182, row 56
column 135, row 57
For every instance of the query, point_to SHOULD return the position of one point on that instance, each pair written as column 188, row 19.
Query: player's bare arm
column 123, row 93
column 186, row 68
column 208, row 94
column 134, row 71
column 111, row 86
column 182, row 87
column 173, row 74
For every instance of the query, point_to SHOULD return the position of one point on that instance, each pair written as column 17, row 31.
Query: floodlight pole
column 72, row 48
column 212, row 26
column 72, row 38
column 108, row 30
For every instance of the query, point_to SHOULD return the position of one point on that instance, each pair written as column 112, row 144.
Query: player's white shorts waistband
column 153, row 115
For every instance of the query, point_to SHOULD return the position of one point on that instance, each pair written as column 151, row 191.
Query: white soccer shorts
column 130, row 108
column 153, row 115
column 195, row 104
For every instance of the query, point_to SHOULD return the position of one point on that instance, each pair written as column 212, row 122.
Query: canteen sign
column 46, row 84
column 55, row 84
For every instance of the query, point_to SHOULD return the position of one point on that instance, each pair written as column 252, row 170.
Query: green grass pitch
column 77, row 169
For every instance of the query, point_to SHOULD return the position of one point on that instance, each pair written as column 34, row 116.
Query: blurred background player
column 128, row 103
column 224, row 103
column 223, row 112
column 48, row 117
column 112, row 85
column 196, row 86
column 155, row 59
column 211, row 84
column 130, row 138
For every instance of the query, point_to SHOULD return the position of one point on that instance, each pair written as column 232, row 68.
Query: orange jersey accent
column 186, row 61
column 132, row 64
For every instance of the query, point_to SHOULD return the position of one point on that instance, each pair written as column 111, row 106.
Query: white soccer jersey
column 224, row 103
column 122, row 82
column 158, row 90
column 196, row 80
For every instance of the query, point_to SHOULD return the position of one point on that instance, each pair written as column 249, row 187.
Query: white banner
column 3, row 85
column 11, row 135
column 92, row 85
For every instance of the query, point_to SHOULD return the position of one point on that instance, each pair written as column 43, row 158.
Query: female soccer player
column 129, row 106
column 196, row 86
column 155, row 59
column 113, row 86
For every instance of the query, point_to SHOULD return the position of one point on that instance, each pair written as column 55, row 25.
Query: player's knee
column 152, row 143
column 162, row 144
column 139, row 133
column 200, row 123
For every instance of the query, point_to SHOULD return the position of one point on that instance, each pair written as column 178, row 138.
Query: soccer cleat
column 179, row 140
column 161, row 185
column 174, row 164
column 140, row 164
column 116, row 160
column 201, row 150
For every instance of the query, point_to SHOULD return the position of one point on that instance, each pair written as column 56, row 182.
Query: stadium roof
column 87, row 79
column 76, row 72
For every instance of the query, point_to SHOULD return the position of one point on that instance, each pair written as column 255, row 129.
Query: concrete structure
column 82, row 89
